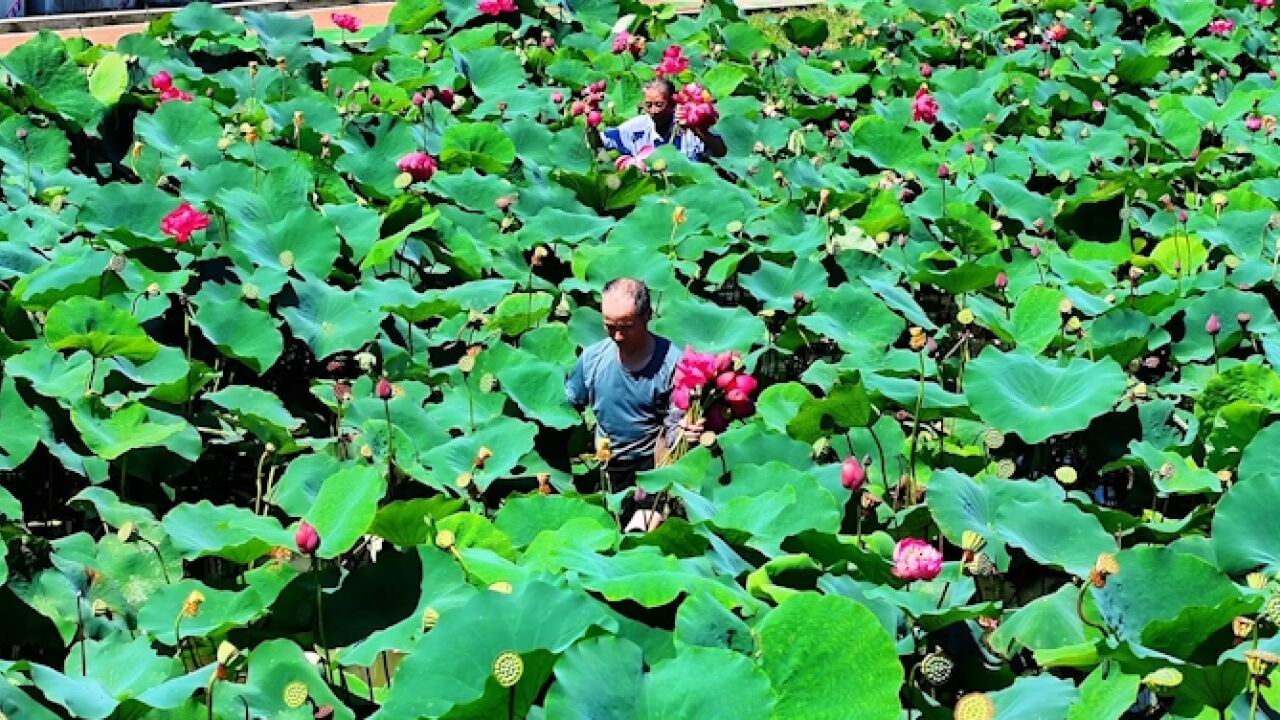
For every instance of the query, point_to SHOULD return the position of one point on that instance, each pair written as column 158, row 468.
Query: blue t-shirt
column 632, row 135
column 631, row 408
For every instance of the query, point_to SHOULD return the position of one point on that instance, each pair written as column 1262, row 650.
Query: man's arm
column 575, row 386
column 712, row 142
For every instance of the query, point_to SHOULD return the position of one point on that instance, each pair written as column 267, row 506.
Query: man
column 658, row 126
column 627, row 378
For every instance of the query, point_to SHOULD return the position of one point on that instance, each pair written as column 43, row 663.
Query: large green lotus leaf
column 1037, row 399
column 45, row 148
column 18, row 704
column 778, row 404
column 707, row 327
column 112, row 433
column 509, row 440
column 21, row 434
column 778, row 286
column 706, row 683
column 773, row 501
column 1186, row 477
column 273, row 666
column 959, row 503
column 296, row 490
column 1227, row 303
column 1243, row 528
column 279, row 238
column 404, row 522
column 118, row 672
column 646, row 576
column 282, row 35
column 887, row 144
column 1106, row 694
column 331, row 320
column 1043, row 697
column 856, row 320
column 1037, row 519
column 220, row 609
column 128, row 211
column 828, row 657
column 237, row 329
column 99, row 327
column 1016, row 201
column 493, row 71
column 538, row 388
column 374, row 165
column 1035, row 319
column 846, row 406
column 226, row 531
column 597, row 678
column 453, row 664
column 259, row 411
column 178, row 129
column 54, row 83
column 205, row 20
column 1246, row 383
column 1049, row 622
column 703, row 622
column 524, row 518
column 474, row 532
column 539, row 146
column 345, row 507
column 1168, row 600
column 482, row 146
column 520, row 312
column 822, row 83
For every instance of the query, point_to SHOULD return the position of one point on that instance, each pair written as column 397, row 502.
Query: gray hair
column 664, row 84
column 635, row 289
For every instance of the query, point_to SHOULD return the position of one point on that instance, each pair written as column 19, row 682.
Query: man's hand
column 692, row 431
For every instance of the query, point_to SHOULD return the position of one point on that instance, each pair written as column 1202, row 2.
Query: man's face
column 658, row 105
column 627, row 328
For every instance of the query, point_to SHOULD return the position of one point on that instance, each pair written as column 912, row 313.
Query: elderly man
column 658, row 126
column 627, row 379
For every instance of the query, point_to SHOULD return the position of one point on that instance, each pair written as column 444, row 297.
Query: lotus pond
column 285, row 319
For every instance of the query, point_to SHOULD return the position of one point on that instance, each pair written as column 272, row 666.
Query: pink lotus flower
column 1253, row 123
column 306, row 538
column 161, row 81
column 1002, row 281
column 1056, row 33
column 1222, row 27
column 926, row 70
column 557, row 97
column 419, row 165
column 1016, row 43
column 495, row 7
column 1213, row 325
column 634, row 161
column 673, row 62
column 852, row 474
column 347, row 22
column 383, row 389
column 626, row 42
column 594, row 117
column 183, row 221
column 1264, row 4
column 174, row 93
column 695, row 369
column 680, row 397
column 694, row 107
column 924, row 108
column 1098, row 106
column 916, row 560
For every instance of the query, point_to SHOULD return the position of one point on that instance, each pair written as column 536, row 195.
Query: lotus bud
column 1243, row 318
column 306, row 538
column 1002, row 281
column 852, row 474
column 1213, row 326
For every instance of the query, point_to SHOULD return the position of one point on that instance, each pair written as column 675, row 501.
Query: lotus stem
column 324, row 643
column 391, row 450
column 213, row 679
column 84, row 659
column 943, row 597
column 257, row 481
column 163, row 571
column 1084, row 587
column 915, row 429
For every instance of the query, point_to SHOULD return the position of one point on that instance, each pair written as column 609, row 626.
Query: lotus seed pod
column 981, row 566
column 975, row 706
column 445, row 539
column 1005, row 468
column 936, row 668
column 993, row 439
column 295, row 694
column 1256, row 581
column 1066, row 475
column 1271, row 610
column 972, row 541
column 1260, row 662
column 508, row 668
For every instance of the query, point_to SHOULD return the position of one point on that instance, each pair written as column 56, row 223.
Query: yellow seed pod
column 445, row 539
column 1005, row 468
column 501, row 586
column 965, row 317
column 125, row 532
column 1260, row 662
column 463, row 480
column 508, row 668
column 295, row 694
column 191, row 606
column 993, row 439
column 975, row 706
column 1073, row 324
column 1256, row 581
column 1066, row 475
column 972, row 541
column 1065, row 306
column 429, row 618
column 366, row 452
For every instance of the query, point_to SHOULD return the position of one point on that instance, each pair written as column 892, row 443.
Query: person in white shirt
column 658, row 126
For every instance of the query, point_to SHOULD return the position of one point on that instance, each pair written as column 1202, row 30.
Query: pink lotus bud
column 1098, row 106
column 306, row 538
column 593, row 118
column 843, row 125
column 384, row 391
column 926, row 70
column 745, row 383
column 557, row 97
column 162, row 81
column 1213, row 325
column 1182, row 216
column 1243, row 318
column 852, row 474
column 1035, row 251
column 943, row 171
column 1271, row 74
column 577, row 108
column 1002, row 281
column 968, row 148
column 419, row 99
column 22, row 134
column 804, row 51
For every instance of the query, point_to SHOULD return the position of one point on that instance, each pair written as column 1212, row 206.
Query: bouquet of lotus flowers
column 695, row 108
column 713, row 388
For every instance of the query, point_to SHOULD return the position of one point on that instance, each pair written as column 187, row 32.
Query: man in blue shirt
column 627, row 379
column 658, row 126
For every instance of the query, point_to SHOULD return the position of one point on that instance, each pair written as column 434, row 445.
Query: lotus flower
column 383, row 389
column 1253, row 123
column 673, row 62
column 1213, row 325
column 594, row 117
column 495, row 7
column 557, row 97
column 694, row 107
column 419, row 165
column 680, row 398
column 1264, row 4
column 1243, row 318
column 183, row 221
column 1002, row 281
column 1222, row 27
column 916, row 560
column 1056, row 33
column 924, row 108
column 634, row 161
column 852, row 474
column 161, row 81
column 926, row 70
column 347, row 22
column 307, row 539
column 718, row 417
